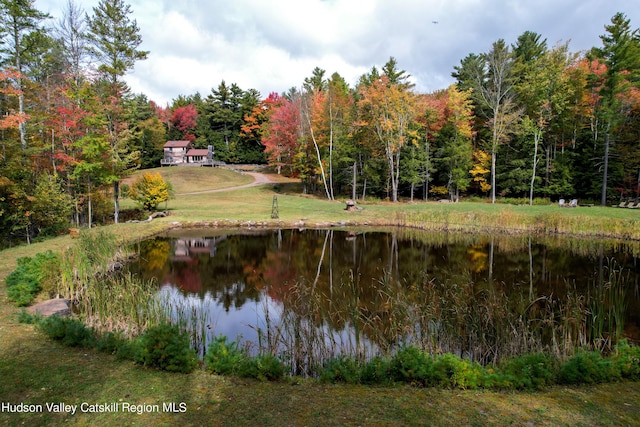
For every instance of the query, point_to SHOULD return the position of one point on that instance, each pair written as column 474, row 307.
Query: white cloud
column 273, row 45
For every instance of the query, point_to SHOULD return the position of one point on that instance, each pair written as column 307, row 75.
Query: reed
column 607, row 306
column 191, row 315
column 92, row 257
column 121, row 303
column 480, row 322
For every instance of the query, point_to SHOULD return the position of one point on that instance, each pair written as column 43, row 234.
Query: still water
column 312, row 294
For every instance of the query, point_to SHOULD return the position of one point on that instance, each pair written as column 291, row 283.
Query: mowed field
column 35, row 370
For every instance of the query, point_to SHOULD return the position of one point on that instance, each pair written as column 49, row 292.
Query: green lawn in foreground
column 36, row 370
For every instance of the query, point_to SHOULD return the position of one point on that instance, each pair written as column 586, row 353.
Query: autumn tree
column 280, row 136
column 313, row 101
column 431, row 119
column 390, row 110
column 20, row 20
column 51, row 206
column 185, row 119
column 257, row 120
column 339, row 110
column 455, row 155
column 150, row 190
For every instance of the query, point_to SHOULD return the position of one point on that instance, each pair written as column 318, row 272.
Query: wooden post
column 274, row 208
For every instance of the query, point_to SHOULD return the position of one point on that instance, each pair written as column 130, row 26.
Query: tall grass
column 91, row 258
column 607, row 306
column 104, row 298
column 121, row 303
column 191, row 315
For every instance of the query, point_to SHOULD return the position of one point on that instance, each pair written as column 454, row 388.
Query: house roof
column 197, row 152
column 178, row 144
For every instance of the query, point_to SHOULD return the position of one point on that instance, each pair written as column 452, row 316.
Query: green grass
column 188, row 179
column 36, row 370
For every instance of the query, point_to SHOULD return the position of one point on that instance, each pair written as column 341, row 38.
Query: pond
column 307, row 295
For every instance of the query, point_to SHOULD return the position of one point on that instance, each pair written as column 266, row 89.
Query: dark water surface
column 317, row 293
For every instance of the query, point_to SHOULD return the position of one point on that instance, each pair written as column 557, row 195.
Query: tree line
column 522, row 120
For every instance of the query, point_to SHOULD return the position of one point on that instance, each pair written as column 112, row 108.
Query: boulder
column 59, row 306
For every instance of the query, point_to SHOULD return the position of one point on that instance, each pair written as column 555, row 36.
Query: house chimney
column 210, row 153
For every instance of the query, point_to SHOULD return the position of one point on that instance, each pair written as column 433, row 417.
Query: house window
column 170, row 149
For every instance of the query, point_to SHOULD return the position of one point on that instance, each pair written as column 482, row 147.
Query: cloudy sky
column 272, row 45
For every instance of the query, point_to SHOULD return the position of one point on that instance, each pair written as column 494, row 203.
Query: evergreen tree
column 114, row 40
column 620, row 53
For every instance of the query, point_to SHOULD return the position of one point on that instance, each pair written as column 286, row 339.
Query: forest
column 523, row 120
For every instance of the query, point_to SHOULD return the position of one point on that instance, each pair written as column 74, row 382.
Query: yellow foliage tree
column 480, row 169
column 150, row 190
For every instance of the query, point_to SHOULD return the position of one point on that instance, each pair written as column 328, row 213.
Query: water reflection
column 315, row 293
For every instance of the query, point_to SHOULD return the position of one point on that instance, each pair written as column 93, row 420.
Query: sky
column 272, row 45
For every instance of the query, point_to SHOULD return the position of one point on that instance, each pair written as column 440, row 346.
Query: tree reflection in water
column 314, row 294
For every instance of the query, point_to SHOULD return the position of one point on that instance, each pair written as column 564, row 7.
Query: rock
column 351, row 206
column 59, row 306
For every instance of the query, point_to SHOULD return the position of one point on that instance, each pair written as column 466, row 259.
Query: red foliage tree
column 185, row 120
column 281, row 134
column 256, row 122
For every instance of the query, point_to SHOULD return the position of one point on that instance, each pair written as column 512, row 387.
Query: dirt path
column 258, row 179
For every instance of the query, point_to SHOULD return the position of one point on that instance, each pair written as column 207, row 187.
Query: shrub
column 27, row 318
column 69, row 331
column 166, row 347
column 443, row 370
column 341, row 369
column 51, row 206
column 31, row 275
column 530, row 371
column 376, row 371
column 222, row 357
column 128, row 350
column 467, row 374
column 264, row 368
column 627, row 360
column 111, row 342
column 587, row 367
column 411, row 365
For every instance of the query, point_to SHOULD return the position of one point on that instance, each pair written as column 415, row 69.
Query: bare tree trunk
column 90, row 213
column 603, row 198
column 536, row 138
column 116, row 200
column 330, row 148
column 355, row 182
column 21, row 126
column 315, row 145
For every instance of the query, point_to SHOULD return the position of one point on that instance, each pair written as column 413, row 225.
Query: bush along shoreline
column 166, row 347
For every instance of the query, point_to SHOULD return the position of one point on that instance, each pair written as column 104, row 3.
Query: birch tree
column 391, row 109
column 19, row 19
column 493, row 87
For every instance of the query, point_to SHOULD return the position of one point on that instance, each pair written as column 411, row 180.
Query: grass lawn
column 36, row 370
column 187, row 179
